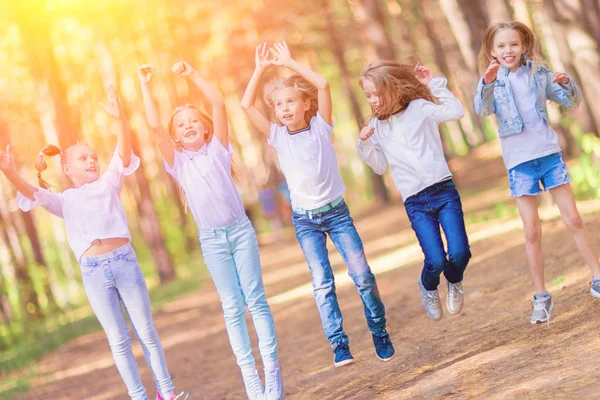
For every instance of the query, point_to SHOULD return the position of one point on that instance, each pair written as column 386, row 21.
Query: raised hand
column 182, row 68
column 112, row 107
column 7, row 160
column 262, row 57
column 491, row 72
column 366, row 132
column 281, row 54
column 145, row 73
column 561, row 77
column 426, row 74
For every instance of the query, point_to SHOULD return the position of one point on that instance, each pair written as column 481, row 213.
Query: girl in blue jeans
column 516, row 86
column 198, row 156
column 97, row 232
column 403, row 132
column 302, row 138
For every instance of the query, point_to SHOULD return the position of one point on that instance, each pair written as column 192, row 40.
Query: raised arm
column 484, row 98
column 165, row 144
column 284, row 58
column 258, row 119
column 7, row 166
column 219, row 112
column 114, row 109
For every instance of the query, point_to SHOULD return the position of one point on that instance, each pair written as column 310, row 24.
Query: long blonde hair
column 532, row 47
column 396, row 86
column 306, row 89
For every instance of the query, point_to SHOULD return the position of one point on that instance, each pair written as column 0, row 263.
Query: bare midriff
column 103, row 246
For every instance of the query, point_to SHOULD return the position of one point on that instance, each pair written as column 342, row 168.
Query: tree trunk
column 27, row 296
column 380, row 191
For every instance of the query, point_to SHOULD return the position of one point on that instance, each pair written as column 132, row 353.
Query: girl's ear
column 66, row 170
column 306, row 104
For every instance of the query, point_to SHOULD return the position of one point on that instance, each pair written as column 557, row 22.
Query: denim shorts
column 525, row 178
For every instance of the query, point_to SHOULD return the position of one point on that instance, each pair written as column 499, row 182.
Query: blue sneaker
column 342, row 356
column 384, row 349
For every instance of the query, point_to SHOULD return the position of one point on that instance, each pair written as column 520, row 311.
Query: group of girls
column 407, row 105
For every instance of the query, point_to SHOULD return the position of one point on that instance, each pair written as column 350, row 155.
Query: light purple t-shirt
column 205, row 176
column 92, row 211
column 537, row 139
column 308, row 162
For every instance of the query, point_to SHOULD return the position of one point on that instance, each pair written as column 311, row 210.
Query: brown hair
column 532, row 47
column 396, row 85
column 306, row 89
column 40, row 164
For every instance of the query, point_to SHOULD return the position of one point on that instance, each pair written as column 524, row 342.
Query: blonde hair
column 305, row 88
column 40, row 163
column 532, row 47
column 396, row 86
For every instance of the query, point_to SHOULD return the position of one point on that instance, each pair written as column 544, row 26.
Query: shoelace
column 540, row 305
column 455, row 290
column 181, row 394
column 255, row 387
column 432, row 299
column 271, row 380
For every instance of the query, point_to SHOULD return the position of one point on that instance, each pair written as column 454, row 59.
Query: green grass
column 53, row 333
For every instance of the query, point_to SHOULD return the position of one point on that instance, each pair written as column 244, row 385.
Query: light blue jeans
column 232, row 258
column 114, row 279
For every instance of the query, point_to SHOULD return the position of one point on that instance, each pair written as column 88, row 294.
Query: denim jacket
column 497, row 97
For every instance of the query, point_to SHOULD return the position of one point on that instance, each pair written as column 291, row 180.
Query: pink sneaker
column 182, row 396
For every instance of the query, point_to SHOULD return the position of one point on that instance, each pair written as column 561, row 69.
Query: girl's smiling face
column 81, row 165
column 189, row 131
column 508, row 49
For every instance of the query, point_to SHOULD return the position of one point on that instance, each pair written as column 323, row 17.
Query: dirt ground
column 490, row 351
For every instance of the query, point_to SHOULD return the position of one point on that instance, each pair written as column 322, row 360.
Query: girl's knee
column 574, row 222
column 533, row 233
column 119, row 344
column 461, row 257
column 233, row 308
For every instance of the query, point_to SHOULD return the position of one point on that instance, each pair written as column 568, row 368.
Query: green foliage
column 586, row 173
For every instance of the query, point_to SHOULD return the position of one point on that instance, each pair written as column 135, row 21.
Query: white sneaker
column 431, row 302
column 455, row 298
column 254, row 387
column 273, row 381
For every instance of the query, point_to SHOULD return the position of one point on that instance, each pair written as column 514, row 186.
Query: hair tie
column 41, row 153
column 296, row 85
column 39, row 175
column 60, row 154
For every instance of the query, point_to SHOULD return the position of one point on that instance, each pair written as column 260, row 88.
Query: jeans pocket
column 130, row 256
column 88, row 269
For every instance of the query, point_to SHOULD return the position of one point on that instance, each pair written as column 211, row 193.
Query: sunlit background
column 57, row 59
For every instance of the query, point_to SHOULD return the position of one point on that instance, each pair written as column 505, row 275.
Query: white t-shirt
column 308, row 162
column 205, row 176
column 537, row 139
column 410, row 141
column 92, row 211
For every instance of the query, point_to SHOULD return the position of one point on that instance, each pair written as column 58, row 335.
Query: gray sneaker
column 542, row 308
column 455, row 298
column 431, row 301
column 595, row 290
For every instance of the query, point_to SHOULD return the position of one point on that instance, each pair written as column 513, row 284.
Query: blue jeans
column 437, row 205
column 311, row 233
column 232, row 258
column 114, row 279
column 550, row 171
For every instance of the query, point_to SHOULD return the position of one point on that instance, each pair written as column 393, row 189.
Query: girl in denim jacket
column 404, row 134
column 97, row 233
column 515, row 87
